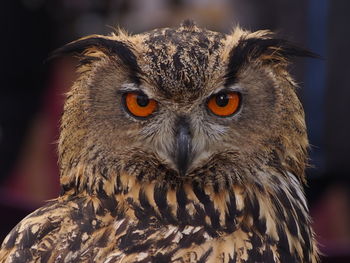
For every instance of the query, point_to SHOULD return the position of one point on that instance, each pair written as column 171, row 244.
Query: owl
column 177, row 145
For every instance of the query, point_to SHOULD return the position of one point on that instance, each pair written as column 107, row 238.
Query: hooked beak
column 183, row 146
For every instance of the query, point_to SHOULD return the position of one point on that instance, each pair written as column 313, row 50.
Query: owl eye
column 224, row 104
column 139, row 104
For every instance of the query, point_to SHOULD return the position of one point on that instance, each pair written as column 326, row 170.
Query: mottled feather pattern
column 153, row 224
column 123, row 199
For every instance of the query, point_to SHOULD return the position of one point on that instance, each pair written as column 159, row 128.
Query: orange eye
column 139, row 104
column 224, row 103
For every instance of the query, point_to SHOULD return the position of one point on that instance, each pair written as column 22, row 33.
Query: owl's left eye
column 139, row 105
column 224, row 104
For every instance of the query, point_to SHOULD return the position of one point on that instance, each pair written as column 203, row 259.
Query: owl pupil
column 222, row 100
column 142, row 100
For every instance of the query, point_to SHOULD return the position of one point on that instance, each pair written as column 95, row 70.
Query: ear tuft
column 268, row 50
column 94, row 41
column 112, row 48
column 278, row 50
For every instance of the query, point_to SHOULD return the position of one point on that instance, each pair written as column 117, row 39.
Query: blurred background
column 31, row 97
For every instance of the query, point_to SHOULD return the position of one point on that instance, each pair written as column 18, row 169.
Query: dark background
column 32, row 91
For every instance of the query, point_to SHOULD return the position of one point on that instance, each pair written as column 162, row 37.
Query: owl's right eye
column 139, row 105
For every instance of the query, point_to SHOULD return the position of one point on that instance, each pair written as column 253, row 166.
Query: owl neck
column 275, row 209
column 259, row 203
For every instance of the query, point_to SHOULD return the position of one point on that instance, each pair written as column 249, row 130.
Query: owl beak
column 183, row 146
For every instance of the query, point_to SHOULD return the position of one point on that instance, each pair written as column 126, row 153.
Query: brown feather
column 123, row 198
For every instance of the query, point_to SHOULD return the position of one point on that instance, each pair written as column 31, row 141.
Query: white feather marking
column 141, row 256
column 187, row 230
column 297, row 187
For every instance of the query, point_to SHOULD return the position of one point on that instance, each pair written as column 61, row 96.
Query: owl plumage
column 184, row 183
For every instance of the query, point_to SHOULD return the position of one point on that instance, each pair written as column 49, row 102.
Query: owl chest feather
column 193, row 224
column 155, row 223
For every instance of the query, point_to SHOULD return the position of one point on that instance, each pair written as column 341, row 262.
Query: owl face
column 184, row 104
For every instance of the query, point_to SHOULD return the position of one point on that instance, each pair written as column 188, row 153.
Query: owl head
column 181, row 104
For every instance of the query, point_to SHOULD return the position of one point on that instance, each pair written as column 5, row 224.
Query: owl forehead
column 180, row 62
